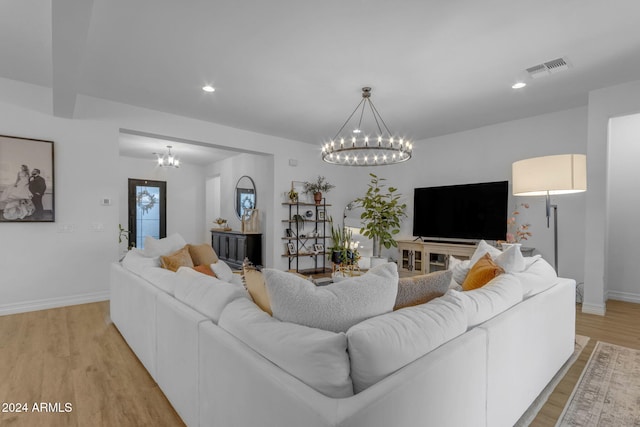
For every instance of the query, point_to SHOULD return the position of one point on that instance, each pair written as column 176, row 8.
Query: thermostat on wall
column 105, row 201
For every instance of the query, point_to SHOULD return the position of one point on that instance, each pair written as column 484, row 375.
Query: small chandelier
column 168, row 160
column 366, row 149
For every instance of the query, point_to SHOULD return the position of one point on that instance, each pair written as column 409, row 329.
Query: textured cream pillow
column 202, row 254
column 335, row 307
column 179, row 258
column 418, row 290
column 222, row 270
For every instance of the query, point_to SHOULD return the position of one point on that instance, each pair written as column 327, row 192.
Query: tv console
column 422, row 257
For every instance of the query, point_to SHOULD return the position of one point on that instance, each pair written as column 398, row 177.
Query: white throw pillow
column 165, row 246
column 381, row 345
column 490, row 300
column 511, row 260
column 483, row 248
column 317, row 358
column 335, row 307
column 222, row 270
column 460, row 269
column 205, row 294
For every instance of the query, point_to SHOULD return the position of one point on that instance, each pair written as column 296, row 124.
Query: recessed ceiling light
column 208, row 88
column 518, row 85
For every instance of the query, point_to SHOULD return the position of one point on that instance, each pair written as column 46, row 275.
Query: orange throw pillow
column 482, row 272
column 179, row 258
column 205, row 269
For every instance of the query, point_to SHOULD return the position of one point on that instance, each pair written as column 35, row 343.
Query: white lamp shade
column 560, row 174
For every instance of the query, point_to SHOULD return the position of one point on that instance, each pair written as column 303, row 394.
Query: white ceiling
column 294, row 68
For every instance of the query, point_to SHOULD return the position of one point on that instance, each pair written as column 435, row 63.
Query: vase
column 317, row 197
column 506, row 246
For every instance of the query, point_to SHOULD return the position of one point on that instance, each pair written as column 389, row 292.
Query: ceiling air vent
column 551, row 67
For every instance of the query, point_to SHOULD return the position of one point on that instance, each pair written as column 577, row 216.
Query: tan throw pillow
column 179, row 258
column 481, row 273
column 204, row 269
column 418, row 290
column 202, row 254
column 255, row 284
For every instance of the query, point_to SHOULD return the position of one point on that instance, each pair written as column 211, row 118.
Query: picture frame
column 321, row 215
column 292, row 248
column 318, row 247
column 27, row 190
column 298, row 187
column 289, row 232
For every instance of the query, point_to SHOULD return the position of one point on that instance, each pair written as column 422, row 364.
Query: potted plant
column 382, row 214
column 316, row 188
column 341, row 251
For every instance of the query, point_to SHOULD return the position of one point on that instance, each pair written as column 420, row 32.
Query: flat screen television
column 470, row 211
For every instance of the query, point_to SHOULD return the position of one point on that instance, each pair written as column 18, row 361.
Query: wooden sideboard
column 418, row 257
column 234, row 246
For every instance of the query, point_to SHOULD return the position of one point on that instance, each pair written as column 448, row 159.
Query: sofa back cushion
column 165, row 246
column 490, row 300
column 537, row 276
column 381, row 345
column 316, row 357
column 335, row 307
column 420, row 289
column 205, row 294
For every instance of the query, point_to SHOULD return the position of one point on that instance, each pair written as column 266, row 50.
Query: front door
column 147, row 210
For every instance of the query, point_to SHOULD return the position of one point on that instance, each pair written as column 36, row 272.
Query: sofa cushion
column 177, row 259
column 538, row 276
column 205, row 294
column 381, row 345
column 160, row 277
column 335, row 307
column 316, row 357
column 420, row 289
column 135, row 261
column 482, row 271
column 255, row 284
column 459, row 269
column 490, row 300
column 202, row 254
column 165, row 246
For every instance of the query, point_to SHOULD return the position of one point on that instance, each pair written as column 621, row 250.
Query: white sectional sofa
column 476, row 358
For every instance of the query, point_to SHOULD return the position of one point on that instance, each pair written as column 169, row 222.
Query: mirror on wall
column 246, row 196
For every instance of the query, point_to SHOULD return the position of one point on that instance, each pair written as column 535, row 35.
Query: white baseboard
column 44, row 304
column 599, row 309
column 624, row 296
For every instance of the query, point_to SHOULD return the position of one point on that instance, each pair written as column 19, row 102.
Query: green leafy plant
column 320, row 186
column 382, row 214
column 124, row 235
column 299, row 221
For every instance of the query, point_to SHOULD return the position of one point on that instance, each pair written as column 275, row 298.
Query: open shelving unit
column 302, row 239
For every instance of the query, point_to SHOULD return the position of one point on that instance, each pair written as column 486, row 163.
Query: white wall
column 604, row 104
column 185, row 195
column 486, row 154
column 623, row 232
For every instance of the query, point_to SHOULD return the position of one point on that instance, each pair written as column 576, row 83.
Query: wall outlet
column 66, row 228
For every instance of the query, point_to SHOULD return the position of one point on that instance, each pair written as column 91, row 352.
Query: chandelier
column 366, row 149
column 168, row 160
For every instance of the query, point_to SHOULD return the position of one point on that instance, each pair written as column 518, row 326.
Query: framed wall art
column 26, row 180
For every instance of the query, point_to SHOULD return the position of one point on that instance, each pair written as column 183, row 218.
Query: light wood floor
column 76, row 355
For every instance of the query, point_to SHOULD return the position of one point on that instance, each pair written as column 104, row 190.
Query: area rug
column 532, row 411
column 608, row 392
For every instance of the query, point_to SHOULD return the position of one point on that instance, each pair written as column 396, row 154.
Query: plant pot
column 317, row 197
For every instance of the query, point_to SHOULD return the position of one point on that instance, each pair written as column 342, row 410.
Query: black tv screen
column 471, row 211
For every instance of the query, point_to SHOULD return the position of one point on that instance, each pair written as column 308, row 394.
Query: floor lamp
column 548, row 176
